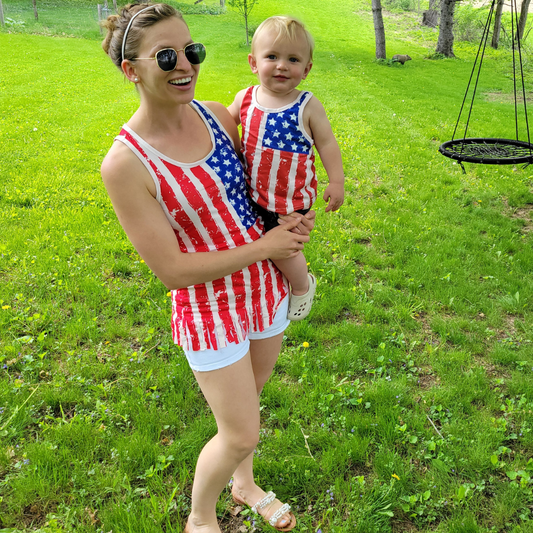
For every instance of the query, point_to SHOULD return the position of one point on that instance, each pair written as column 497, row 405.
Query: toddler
column 280, row 125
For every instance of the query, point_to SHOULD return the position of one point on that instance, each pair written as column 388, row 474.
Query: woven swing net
column 492, row 151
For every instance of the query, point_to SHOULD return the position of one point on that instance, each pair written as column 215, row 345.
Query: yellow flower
column 6, row 306
column 305, row 344
column 169, row 294
column 395, row 477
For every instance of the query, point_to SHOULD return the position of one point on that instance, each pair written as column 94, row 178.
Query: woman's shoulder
column 224, row 117
column 119, row 163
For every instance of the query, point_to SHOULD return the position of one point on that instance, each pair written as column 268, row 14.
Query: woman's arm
column 131, row 191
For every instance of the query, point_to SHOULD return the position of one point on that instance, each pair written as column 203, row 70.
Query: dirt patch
column 506, row 98
column 525, row 214
column 492, row 371
column 427, row 379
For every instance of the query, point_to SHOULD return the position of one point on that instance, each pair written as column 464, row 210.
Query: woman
column 177, row 187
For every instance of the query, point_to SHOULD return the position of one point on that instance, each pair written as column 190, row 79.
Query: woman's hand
column 306, row 224
column 283, row 242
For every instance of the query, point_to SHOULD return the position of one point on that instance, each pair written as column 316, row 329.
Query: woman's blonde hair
column 286, row 28
column 116, row 26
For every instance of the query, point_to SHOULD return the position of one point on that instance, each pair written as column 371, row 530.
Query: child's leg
column 232, row 395
column 295, row 270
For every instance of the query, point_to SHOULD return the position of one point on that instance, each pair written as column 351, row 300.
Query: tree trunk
column 1, row 14
column 497, row 25
column 430, row 17
column 445, row 40
column 246, row 23
column 523, row 19
column 379, row 30
column 35, row 10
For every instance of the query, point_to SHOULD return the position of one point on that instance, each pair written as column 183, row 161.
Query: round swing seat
column 488, row 151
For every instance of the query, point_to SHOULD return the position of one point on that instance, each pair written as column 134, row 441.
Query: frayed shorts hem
column 208, row 360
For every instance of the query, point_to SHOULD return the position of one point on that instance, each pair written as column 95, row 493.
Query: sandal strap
column 284, row 509
column 261, row 504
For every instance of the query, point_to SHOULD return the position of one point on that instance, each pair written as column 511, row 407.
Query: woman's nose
column 182, row 62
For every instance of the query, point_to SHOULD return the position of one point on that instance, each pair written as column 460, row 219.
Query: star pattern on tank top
column 283, row 134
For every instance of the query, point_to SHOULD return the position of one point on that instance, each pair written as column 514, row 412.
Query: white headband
column 128, row 29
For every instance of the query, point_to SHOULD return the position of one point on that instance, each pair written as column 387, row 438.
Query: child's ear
column 307, row 70
column 253, row 63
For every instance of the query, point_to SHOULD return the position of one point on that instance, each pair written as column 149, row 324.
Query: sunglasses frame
column 177, row 53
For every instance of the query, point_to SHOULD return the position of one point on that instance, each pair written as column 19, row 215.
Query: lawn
column 402, row 404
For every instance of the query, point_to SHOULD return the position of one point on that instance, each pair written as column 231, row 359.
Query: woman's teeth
column 182, row 81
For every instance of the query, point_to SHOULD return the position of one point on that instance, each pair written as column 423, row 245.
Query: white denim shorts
column 207, row 360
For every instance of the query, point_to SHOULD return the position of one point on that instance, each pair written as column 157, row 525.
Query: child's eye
column 271, row 56
column 294, row 60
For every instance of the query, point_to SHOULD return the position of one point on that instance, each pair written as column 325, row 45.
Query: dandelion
column 6, row 307
column 305, row 344
column 395, row 477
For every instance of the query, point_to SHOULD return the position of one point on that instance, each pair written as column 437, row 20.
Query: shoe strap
column 261, row 504
column 284, row 509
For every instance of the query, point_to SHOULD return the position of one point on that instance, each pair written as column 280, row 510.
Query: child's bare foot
column 272, row 510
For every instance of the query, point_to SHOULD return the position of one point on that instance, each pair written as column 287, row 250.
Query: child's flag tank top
column 278, row 154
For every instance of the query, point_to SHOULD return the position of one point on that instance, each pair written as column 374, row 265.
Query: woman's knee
column 241, row 443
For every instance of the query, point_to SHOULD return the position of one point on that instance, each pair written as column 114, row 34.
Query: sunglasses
column 167, row 58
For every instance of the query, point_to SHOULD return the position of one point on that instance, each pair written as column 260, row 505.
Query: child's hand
column 334, row 196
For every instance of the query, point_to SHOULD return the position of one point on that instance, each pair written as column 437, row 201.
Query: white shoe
column 300, row 306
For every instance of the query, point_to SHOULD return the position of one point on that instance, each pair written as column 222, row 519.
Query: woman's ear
column 253, row 63
column 128, row 68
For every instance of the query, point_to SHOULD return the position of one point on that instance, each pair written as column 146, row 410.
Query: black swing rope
column 491, row 150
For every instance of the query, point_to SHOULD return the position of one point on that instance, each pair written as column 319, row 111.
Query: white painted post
column 100, row 18
column 1, row 14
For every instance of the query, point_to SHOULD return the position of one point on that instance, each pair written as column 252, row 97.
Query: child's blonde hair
column 286, row 28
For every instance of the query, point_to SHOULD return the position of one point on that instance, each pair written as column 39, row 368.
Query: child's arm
column 235, row 108
column 329, row 152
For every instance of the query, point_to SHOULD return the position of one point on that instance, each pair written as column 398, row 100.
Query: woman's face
column 177, row 85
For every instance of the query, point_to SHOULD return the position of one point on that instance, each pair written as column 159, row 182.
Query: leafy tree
column 244, row 7
column 379, row 29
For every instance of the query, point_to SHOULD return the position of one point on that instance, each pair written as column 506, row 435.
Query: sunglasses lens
column 195, row 53
column 167, row 59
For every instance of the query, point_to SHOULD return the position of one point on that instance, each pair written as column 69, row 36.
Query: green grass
column 409, row 408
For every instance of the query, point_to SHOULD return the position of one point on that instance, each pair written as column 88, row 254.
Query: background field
column 405, row 401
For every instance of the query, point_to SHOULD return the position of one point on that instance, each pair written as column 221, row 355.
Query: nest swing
column 492, row 151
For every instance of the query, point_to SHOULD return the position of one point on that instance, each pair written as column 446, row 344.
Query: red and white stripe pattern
column 278, row 154
column 206, row 204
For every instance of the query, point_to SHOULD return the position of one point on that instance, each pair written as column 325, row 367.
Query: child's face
column 280, row 64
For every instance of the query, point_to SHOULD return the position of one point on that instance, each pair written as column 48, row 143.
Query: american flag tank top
column 206, row 205
column 278, row 154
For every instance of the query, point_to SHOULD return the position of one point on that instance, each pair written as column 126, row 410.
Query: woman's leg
column 264, row 354
column 232, row 395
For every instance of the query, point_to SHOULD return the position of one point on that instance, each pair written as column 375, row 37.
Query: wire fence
column 79, row 18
